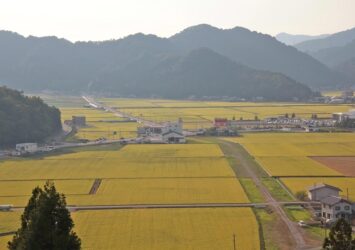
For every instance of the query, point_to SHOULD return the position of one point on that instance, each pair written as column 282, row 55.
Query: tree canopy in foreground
column 340, row 237
column 46, row 223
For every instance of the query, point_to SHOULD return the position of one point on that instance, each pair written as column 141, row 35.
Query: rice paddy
column 286, row 154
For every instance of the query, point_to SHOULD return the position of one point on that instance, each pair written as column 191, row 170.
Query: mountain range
column 290, row 39
column 337, row 51
column 199, row 61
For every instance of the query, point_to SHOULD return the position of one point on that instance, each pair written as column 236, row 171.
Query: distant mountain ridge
column 290, row 39
column 336, row 55
column 335, row 40
column 200, row 73
column 259, row 51
column 147, row 62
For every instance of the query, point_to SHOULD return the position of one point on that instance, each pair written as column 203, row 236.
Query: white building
column 334, row 207
column 321, row 190
column 173, row 137
column 160, row 129
column 26, row 147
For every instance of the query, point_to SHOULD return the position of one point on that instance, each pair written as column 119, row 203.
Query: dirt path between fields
column 95, row 186
column 293, row 231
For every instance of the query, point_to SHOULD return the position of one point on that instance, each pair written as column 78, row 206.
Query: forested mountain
column 290, row 39
column 200, row 73
column 347, row 68
column 25, row 119
column 334, row 40
column 336, row 55
column 259, row 51
column 139, row 62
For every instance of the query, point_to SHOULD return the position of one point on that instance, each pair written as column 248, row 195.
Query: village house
column 26, row 147
column 169, row 132
column 173, row 137
column 335, row 207
column 220, row 122
column 320, row 191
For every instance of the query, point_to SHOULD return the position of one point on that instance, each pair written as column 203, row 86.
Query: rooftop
column 332, row 200
column 322, row 185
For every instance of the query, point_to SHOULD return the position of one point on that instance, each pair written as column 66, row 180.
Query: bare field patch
column 344, row 165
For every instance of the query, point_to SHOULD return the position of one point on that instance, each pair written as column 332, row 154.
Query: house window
column 347, row 207
column 337, row 208
column 328, row 216
column 324, row 215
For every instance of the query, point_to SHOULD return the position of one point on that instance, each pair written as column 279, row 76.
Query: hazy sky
column 105, row 19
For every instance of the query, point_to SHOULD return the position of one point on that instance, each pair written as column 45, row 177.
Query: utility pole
column 234, row 243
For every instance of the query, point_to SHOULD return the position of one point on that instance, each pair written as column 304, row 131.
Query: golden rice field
column 191, row 173
column 140, row 174
column 197, row 228
column 165, row 191
column 302, row 184
column 95, row 165
column 199, row 114
column 185, row 229
column 100, row 124
column 286, row 154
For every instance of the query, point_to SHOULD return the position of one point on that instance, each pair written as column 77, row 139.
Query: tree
column 286, row 115
column 46, row 223
column 301, row 195
column 340, row 237
column 25, row 119
column 293, row 115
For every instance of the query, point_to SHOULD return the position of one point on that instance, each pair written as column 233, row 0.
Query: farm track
column 293, row 229
column 190, row 205
column 95, row 186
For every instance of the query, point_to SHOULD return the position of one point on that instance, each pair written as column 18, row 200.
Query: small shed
column 79, row 121
column 320, row 191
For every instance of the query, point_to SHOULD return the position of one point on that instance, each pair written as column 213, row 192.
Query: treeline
column 25, row 119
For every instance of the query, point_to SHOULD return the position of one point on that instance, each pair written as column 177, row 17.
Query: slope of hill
column 336, row 55
column 347, row 68
column 335, row 40
column 290, row 39
column 200, row 73
column 259, row 51
column 25, row 119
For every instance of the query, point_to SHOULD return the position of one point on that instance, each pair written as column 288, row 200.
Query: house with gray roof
column 335, row 207
column 320, row 191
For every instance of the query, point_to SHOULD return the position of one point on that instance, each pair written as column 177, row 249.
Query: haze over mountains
column 290, row 39
column 337, row 51
column 199, row 61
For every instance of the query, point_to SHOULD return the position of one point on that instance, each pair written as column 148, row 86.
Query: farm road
column 230, row 150
column 180, row 205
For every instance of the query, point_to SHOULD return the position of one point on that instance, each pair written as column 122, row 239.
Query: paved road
column 190, row 205
column 91, row 101
column 293, row 228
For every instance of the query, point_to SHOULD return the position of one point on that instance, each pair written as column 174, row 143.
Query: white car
column 301, row 223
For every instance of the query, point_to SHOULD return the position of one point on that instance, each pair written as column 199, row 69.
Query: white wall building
column 321, row 190
column 27, row 147
column 334, row 208
column 173, row 137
